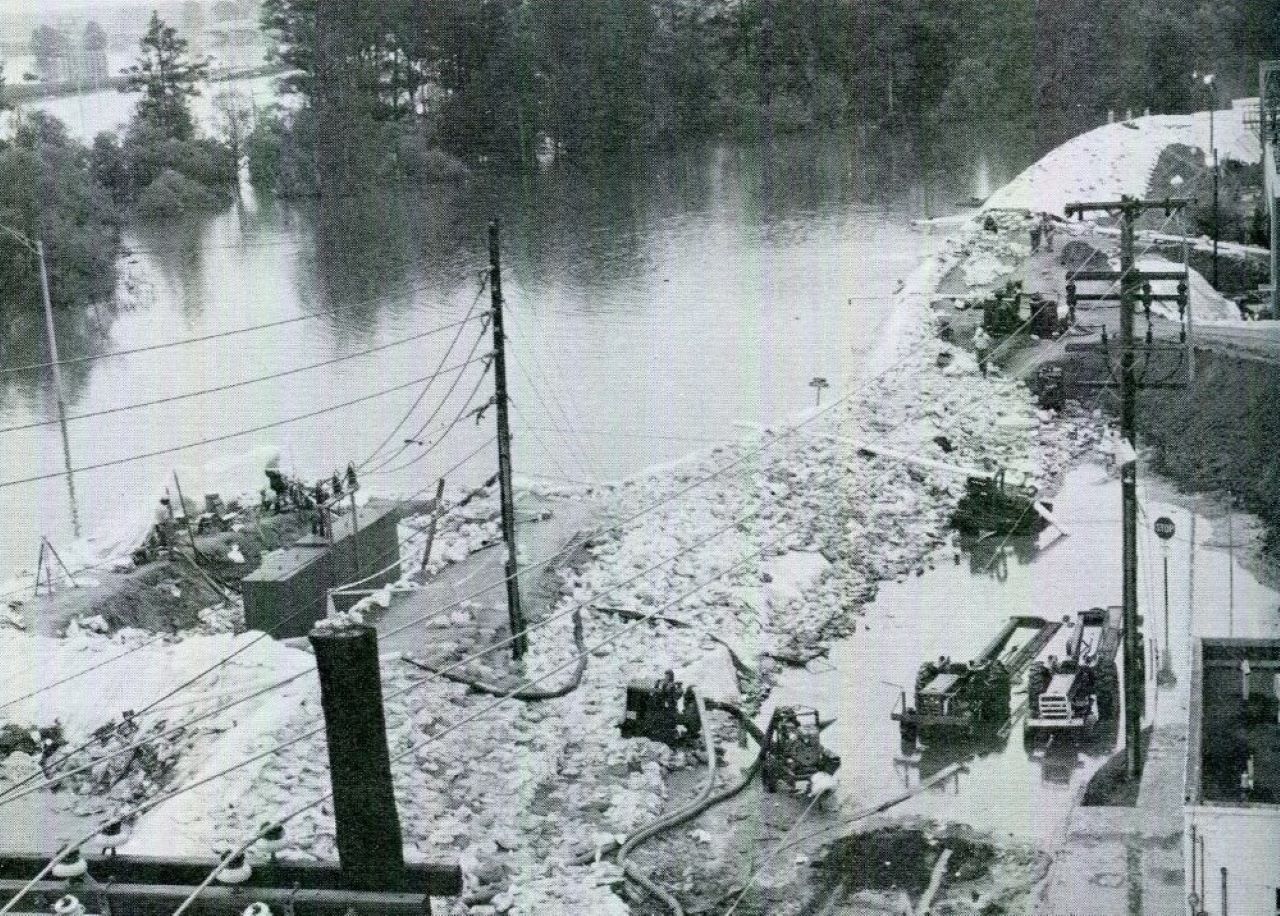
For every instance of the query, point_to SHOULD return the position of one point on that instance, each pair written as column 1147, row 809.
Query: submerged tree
column 167, row 77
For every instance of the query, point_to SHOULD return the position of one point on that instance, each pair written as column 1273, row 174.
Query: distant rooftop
column 1234, row 739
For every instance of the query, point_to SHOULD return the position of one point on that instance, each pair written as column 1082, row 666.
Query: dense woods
column 501, row 80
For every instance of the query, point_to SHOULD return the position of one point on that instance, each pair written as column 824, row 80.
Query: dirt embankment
column 165, row 595
column 1219, row 435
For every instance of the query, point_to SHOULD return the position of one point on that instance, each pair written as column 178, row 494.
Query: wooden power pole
column 514, row 613
column 1131, row 281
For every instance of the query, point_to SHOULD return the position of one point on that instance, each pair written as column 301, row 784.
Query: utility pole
column 1216, row 229
column 1231, row 566
column 1131, row 281
column 514, row 614
column 1190, row 323
column 1191, row 590
column 54, row 361
column 364, row 802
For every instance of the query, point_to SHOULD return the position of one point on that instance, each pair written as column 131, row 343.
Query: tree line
column 502, row 80
column 75, row 197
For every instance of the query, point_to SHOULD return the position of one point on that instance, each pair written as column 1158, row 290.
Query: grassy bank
column 1220, row 435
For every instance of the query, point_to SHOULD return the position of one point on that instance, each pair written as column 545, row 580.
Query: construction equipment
column 1050, row 388
column 1073, row 682
column 793, row 750
column 1002, row 313
column 1044, row 317
column 664, row 711
column 991, row 503
column 973, row 697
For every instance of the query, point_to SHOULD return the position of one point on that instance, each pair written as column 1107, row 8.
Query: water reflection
column 702, row 290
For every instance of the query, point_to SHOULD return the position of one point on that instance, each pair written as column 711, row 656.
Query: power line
column 153, row 803
column 484, row 282
column 223, row 438
column 430, row 447
column 75, row 360
column 638, row 514
column 679, row 493
column 71, row 677
column 573, row 445
column 483, row 711
column 613, row 433
column 242, row 383
column 409, row 440
column 546, row 450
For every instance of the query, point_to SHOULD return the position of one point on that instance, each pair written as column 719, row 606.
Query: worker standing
column 982, row 345
column 1049, row 229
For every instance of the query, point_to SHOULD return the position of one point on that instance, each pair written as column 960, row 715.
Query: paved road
column 484, row 570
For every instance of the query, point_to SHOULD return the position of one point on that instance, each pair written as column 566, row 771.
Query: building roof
column 1233, row 754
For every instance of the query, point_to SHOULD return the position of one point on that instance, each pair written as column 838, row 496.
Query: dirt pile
column 883, row 869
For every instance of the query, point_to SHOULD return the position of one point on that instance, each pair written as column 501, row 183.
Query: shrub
column 173, row 194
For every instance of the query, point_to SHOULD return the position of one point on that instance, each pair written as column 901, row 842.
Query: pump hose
column 704, row 802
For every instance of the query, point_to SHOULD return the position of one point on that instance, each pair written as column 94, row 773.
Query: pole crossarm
column 1098, row 276
column 1126, row 204
column 1116, row 297
column 137, row 885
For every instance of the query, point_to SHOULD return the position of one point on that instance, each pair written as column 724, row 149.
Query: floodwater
column 88, row 114
column 654, row 305
column 955, row 608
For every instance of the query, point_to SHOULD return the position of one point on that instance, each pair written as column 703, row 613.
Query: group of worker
column 287, row 493
column 1042, row 228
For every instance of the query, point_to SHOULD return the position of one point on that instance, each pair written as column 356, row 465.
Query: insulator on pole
column 70, row 865
column 236, row 871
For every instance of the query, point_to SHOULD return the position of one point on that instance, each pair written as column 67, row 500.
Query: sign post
column 1165, row 529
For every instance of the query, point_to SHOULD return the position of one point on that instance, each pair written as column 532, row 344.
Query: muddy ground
column 165, row 595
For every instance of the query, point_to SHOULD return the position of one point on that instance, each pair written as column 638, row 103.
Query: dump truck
column 991, row 503
column 1073, row 683
column 973, row 697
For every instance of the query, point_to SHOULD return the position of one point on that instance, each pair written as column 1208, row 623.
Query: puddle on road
column 956, row 608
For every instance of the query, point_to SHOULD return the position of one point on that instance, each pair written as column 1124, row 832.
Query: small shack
column 288, row 592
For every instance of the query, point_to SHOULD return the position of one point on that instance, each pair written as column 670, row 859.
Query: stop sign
column 1164, row 527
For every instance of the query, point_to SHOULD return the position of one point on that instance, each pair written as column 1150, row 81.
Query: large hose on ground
column 704, row 802
column 661, row 824
column 529, row 695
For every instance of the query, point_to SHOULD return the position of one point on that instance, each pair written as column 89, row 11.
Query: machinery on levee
column 994, row 503
column 1073, row 682
column 1050, row 388
column 973, row 697
column 793, row 750
column 664, row 711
